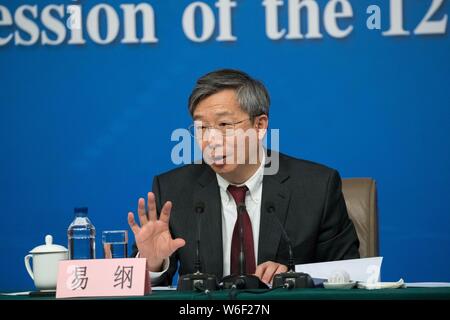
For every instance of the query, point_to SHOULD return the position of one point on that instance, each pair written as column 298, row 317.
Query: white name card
column 102, row 278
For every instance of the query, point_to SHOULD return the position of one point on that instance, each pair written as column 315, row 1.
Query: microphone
column 270, row 208
column 198, row 281
column 289, row 279
column 199, row 209
column 242, row 280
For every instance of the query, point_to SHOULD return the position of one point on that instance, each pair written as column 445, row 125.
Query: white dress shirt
column 229, row 213
column 229, row 216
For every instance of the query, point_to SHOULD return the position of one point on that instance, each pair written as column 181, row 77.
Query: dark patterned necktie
column 238, row 194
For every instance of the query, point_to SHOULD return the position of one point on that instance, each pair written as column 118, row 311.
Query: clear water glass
column 115, row 244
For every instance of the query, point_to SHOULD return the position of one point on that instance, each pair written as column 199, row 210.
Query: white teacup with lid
column 45, row 263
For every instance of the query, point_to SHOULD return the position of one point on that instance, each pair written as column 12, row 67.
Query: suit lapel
column 207, row 191
column 276, row 195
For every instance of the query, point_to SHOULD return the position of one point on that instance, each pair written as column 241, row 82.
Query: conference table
column 440, row 293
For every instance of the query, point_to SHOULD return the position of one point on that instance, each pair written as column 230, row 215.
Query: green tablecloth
column 296, row 294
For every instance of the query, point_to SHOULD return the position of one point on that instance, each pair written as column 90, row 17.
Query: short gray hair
column 251, row 94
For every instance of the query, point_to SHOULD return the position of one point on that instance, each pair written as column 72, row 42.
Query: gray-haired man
column 231, row 114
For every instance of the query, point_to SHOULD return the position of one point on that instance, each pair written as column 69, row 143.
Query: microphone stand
column 289, row 279
column 198, row 281
column 242, row 280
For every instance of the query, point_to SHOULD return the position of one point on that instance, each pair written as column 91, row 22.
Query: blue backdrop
column 91, row 124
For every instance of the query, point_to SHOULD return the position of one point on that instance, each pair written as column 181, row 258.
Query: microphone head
column 199, row 207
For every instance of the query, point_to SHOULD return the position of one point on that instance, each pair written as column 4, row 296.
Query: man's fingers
column 141, row 212
column 269, row 272
column 176, row 244
column 165, row 212
column 281, row 268
column 133, row 225
column 268, row 269
column 151, row 204
column 260, row 270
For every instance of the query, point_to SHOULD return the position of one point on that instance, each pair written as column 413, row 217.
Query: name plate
column 102, row 278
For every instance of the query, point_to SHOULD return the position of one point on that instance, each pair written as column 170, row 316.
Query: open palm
column 153, row 237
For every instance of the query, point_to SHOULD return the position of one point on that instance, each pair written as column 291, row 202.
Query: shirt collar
column 253, row 184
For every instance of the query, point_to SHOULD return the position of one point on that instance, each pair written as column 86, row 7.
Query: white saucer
column 382, row 285
column 347, row 285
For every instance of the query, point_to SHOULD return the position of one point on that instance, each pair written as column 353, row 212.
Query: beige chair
column 361, row 198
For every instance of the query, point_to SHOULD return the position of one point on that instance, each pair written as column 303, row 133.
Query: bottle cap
column 81, row 211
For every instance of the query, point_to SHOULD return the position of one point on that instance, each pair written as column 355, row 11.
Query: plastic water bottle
column 81, row 236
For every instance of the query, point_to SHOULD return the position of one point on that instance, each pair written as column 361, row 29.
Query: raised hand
column 153, row 237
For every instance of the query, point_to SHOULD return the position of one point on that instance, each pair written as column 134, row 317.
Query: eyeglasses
column 224, row 128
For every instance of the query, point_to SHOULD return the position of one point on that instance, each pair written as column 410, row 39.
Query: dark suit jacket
column 307, row 199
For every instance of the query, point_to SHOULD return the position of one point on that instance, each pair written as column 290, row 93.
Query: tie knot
column 238, row 193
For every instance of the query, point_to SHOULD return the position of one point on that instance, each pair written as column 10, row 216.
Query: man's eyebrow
column 218, row 114
column 224, row 113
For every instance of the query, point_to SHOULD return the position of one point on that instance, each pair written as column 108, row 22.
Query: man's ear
column 261, row 124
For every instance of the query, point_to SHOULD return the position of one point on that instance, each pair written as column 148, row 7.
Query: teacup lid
column 48, row 247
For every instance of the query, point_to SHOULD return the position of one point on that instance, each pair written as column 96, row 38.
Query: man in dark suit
column 305, row 197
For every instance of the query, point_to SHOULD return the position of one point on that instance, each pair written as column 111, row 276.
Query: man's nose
column 214, row 137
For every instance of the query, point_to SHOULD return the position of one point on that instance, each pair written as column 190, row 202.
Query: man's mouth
column 219, row 159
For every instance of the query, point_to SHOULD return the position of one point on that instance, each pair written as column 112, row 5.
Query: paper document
column 365, row 270
column 427, row 284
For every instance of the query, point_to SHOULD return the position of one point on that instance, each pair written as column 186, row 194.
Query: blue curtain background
column 90, row 125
